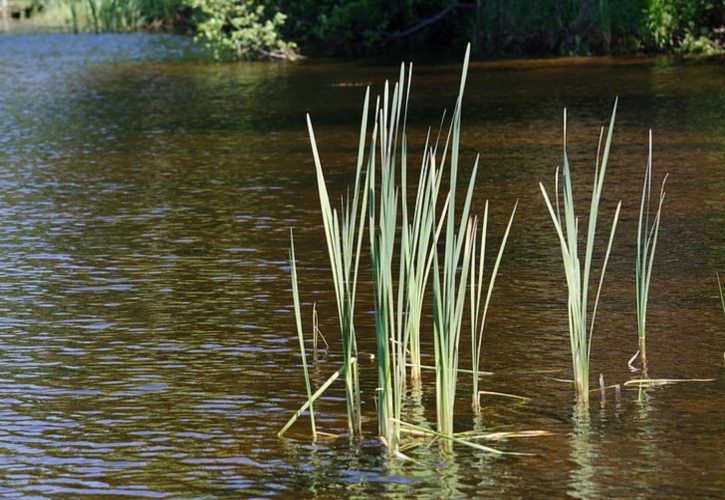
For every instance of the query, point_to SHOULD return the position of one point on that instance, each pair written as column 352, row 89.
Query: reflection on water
column 146, row 338
column 582, row 480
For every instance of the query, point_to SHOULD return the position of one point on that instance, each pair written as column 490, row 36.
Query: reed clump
column 103, row 16
column 439, row 239
column 479, row 311
column 646, row 244
column 567, row 228
column 405, row 252
column 344, row 235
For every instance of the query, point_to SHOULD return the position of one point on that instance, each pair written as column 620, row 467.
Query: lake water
column 147, row 341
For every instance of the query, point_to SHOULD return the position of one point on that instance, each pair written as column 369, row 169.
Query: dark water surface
column 147, row 342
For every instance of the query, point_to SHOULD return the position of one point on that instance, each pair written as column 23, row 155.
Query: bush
column 240, row 29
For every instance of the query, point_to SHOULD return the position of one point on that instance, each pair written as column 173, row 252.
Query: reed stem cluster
column 646, row 245
column 404, row 251
column 566, row 224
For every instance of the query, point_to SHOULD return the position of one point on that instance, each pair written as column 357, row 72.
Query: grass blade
column 300, row 334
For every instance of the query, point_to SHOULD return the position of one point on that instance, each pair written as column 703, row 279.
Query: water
column 147, row 342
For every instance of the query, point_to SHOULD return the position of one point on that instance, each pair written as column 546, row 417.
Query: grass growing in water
column 478, row 315
column 450, row 275
column 646, row 244
column 722, row 297
column 577, row 279
column 300, row 334
column 398, row 313
column 399, row 292
column 344, row 239
column 417, row 241
column 100, row 16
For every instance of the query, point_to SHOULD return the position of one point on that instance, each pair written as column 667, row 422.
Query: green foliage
column 250, row 29
column 361, row 26
column 683, row 24
column 108, row 15
column 552, row 26
column 242, row 29
column 661, row 22
column 505, row 26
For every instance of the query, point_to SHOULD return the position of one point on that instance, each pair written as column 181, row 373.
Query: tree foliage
column 244, row 29
column 249, row 29
column 504, row 26
column 363, row 26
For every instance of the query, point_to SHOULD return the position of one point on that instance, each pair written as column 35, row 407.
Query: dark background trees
column 284, row 28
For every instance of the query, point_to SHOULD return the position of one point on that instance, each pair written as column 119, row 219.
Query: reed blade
column 300, row 333
column 577, row 278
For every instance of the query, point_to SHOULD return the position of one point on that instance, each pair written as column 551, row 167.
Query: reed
column 646, row 245
column 478, row 313
column 343, row 234
column 404, row 251
column 382, row 228
column 398, row 312
column 319, row 392
column 100, row 16
column 418, row 239
column 722, row 297
column 450, row 275
column 300, row 334
column 577, row 279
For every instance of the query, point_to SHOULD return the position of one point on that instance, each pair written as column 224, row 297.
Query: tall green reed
column 343, row 234
column 418, row 238
column 450, row 275
column 300, row 333
column 646, row 245
column 478, row 314
column 577, row 279
column 408, row 240
column 398, row 312
column 391, row 339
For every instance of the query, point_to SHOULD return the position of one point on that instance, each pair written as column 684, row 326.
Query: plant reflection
column 583, row 452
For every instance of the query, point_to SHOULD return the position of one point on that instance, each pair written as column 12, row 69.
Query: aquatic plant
column 383, row 220
column 398, row 313
column 417, row 241
column 451, row 275
column 300, row 334
column 646, row 245
column 311, row 398
column 478, row 314
column 577, row 279
column 399, row 291
column 343, row 235
column 109, row 15
column 722, row 297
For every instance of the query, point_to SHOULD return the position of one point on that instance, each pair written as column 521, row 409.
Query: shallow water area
column 147, row 342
